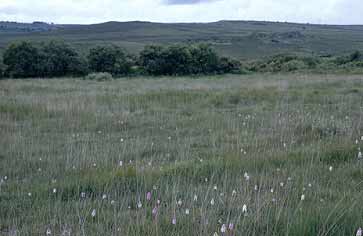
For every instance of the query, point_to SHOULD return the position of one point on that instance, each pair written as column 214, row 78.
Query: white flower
column 256, row 187
column 282, row 184
column 215, row 234
column 223, row 228
column 187, row 212
column 360, row 155
column 5, row 177
column 212, row 201
column 83, row 194
column 244, row 208
column 246, row 176
column 179, row 202
column 272, row 190
column 215, row 187
column 29, row 194
column 302, row 197
column 359, row 232
column 121, row 163
column 54, row 190
column 195, row 198
column 330, row 168
column 112, row 202
column 93, row 214
column 49, row 232
column 310, row 185
column 104, row 196
column 122, row 140
column 234, row 192
column 139, row 204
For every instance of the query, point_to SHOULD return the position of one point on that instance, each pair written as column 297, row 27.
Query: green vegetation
column 264, row 154
column 58, row 59
column 185, row 60
column 101, row 76
column 53, row 59
column 111, row 59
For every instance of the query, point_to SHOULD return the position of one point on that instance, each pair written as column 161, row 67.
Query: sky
column 97, row 11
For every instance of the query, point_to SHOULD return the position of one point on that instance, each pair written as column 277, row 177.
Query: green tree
column 22, row 60
column 111, row 59
column 205, row 59
column 228, row 65
column 59, row 59
column 152, row 60
column 2, row 69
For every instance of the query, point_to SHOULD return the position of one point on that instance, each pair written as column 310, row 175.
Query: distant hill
column 239, row 39
column 12, row 27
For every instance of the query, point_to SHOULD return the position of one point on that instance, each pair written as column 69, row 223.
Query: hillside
column 240, row 39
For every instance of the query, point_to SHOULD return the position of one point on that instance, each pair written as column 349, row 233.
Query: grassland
column 270, row 154
column 239, row 39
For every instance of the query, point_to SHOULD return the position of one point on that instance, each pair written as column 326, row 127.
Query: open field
column 270, row 154
column 239, row 39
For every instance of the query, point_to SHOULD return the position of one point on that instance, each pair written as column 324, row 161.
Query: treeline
column 58, row 59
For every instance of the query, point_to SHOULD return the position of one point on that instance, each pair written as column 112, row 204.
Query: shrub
column 22, row 60
column 59, row 59
column 205, row 59
column 100, row 76
column 152, row 60
column 47, row 60
column 293, row 65
column 227, row 65
column 2, row 69
column 111, row 59
column 184, row 60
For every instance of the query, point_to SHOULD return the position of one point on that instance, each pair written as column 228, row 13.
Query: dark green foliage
column 228, row 65
column 59, row 59
column 151, row 59
column 111, row 59
column 22, row 60
column 47, row 60
column 2, row 69
column 185, row 60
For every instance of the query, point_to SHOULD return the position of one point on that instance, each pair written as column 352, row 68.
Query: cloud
column 181, row 2
column 95, row 11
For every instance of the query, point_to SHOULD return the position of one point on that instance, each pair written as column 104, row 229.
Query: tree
column 205, row 59
column 2, row 69
column 22, row 60
column 227, row 65
column 111, row 59
column 59, row 59
column 152, row 60
column 177, row 60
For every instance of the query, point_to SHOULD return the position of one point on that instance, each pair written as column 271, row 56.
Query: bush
column 227, row 65
column 111, row 59
column 293, row 65
column 2, row 69
column 22, row 60
column 59, row 59
column 47, row 60
column 100, row 76
column 184, row 60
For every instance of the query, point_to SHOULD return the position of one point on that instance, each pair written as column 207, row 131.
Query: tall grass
column 251, row 155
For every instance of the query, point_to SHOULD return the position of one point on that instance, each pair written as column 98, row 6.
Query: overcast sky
column 95, row 11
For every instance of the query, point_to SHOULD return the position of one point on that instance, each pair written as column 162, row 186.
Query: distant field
column 239, row 39
column 93, row 158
